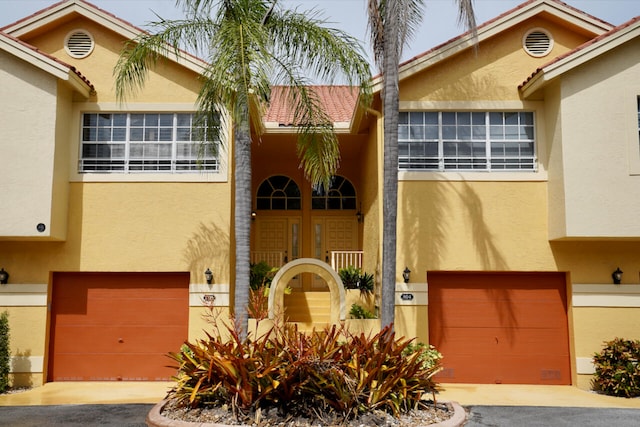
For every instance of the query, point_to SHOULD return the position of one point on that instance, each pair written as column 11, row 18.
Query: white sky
column 439, row 24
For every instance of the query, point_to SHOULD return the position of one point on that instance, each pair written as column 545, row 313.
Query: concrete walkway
column 61, row 393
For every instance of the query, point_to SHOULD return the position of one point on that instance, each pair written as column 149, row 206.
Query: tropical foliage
column 392, row 24
column 5, row 352
column 353, row 278
column 249, row 46
column 299, row 374
column 617, row 369
column 359, row 312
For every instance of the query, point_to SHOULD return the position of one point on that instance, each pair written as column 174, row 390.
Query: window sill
column 487, row 176
column 151, row 177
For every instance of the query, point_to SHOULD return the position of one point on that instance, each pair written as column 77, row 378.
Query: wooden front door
column 332, row 233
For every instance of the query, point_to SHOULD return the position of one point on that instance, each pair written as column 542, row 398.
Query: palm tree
column 249, row 46
column 391, row 25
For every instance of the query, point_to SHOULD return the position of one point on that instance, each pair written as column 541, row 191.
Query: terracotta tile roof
column 339, row 102
column 55, row 5
column 581, row 47
column 498, row 18
column 53, row 58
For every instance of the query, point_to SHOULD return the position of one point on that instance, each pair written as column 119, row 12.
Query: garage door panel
column 500, row 327
column 120, row 325
column 498, row 314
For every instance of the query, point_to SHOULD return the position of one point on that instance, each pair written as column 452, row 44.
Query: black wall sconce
column 253, row 215
column 209, row 276
column 406, row 274
column 359, row 214
column 617, row 276
column 4, row 277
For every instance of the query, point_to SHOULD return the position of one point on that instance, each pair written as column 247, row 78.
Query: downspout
column 380, row 169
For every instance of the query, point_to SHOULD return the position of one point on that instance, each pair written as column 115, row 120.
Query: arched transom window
column 278, row 192
column 340, row 196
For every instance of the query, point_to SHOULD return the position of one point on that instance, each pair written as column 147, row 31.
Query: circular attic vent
column 537, row 42
column 79, row 44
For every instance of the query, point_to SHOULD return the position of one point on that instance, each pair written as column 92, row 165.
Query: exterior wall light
column 4, row 277
column 617, row 276
column 406, row 274
column 253, row 215
column 209, row 276
column 359, row 214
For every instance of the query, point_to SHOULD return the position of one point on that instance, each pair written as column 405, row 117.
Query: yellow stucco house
column 519, row 194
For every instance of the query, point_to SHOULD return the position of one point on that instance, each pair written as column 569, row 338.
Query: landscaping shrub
column 330, row 371
column 5, row 354
column 617, row 370
column 353, row 278
column 261, row 274
column 359, row 312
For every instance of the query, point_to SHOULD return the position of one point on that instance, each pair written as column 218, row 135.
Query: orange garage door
column 116, row 326
column 506, row 328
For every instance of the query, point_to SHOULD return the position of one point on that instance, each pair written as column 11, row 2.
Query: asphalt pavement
column 133, row 415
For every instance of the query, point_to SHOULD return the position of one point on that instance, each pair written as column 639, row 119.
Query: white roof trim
column 99, row 16
column 579, row 57
column 46, row 64
column 499, row 25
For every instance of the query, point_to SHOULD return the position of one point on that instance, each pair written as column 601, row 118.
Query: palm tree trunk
column 390, row 191
column 242, row 219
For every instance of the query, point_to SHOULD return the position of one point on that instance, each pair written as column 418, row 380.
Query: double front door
column 279, row 239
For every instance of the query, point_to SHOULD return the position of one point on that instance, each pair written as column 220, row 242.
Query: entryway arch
column 308, row 265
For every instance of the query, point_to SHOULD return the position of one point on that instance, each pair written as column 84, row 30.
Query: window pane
column 89, row 134
column 120, row 120
column 431, row 118
column 464, row 118
column 90, row 120
column 151, row 120
column 403, row 118
column 511, row 118
column 416, row 118
column 119, row 134
column 417, row 132
column 464, row 132
column 479, row 132
column 403, row 132
column 448, row 132
column 495, row 118
column 431, row 132
column 478, row 118
column 137, row 119
column 448, row 118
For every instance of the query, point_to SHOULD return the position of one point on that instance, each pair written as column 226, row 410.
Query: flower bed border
column 156, row 419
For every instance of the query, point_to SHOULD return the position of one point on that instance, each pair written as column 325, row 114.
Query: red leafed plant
column 617, row 370
column 329, row 370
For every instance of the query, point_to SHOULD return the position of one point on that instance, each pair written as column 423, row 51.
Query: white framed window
column 466, row 141
column 146, row 142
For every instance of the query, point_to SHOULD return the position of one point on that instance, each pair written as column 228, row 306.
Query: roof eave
column 101, row 17
column 46, row 64
column 496, row 26
column 585, row 54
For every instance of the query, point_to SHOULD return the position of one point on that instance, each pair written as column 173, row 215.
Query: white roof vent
column 537, row 42
column 79, row 44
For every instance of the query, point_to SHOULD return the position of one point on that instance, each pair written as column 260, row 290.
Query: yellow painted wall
column 166, row 83
column 493, row 72
column 496, row 226
column 27, row 326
